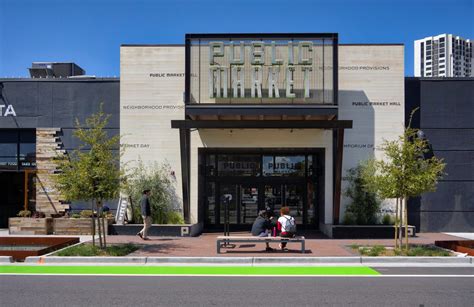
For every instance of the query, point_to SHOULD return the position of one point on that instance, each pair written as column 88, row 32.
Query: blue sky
column 90, row 32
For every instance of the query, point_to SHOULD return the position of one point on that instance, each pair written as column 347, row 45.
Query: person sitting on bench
column 286, row 225
column 262, row 226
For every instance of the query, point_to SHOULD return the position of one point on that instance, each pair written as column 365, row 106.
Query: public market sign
column 258, row 65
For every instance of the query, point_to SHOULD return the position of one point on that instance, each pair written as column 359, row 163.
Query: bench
column 251, row 239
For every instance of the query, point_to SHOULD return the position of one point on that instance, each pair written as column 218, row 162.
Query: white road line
column 241, row 275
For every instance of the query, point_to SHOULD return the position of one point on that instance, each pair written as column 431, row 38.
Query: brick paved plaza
column 205, row 245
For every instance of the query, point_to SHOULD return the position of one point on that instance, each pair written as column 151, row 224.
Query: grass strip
column 187, row 270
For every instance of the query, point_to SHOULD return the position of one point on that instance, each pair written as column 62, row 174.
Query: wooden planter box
column 30, row 226
column 74, row 227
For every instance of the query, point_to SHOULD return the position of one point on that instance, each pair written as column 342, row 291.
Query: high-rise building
column 444, row 55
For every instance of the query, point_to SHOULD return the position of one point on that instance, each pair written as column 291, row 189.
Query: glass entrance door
column 290, row 195
column 243, row 206
column 228, row 197
column 294, row 194
column 273, row 197
column 248, row 204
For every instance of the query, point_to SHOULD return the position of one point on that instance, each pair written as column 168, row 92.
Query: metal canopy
column 257, row 110
column 262, row 124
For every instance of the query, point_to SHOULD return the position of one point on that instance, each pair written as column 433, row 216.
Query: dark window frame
column 20, row 133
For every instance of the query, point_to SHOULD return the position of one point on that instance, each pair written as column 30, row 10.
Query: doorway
column 253, row 180
column 12, row 195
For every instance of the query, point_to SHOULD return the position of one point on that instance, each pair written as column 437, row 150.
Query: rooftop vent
column 55, row 70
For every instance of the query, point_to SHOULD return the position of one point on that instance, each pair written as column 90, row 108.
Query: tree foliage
column 163, row 197
column 91, row 172
column 364, row 204
column 404, row 173
column 407, row 171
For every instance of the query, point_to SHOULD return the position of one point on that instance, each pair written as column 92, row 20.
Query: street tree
column 408, row 170
column 91, row 173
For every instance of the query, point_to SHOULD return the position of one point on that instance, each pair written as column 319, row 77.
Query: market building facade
column 260, row 120
column 263, row 119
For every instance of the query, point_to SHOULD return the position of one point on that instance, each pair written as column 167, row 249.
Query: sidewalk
column 317, row 245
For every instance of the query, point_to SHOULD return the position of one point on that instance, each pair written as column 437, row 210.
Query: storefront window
column 27, row 154
column 284, row 166
column 238, row 165
column 17, row 149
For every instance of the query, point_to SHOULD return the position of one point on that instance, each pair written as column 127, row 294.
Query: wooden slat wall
column 48, row 146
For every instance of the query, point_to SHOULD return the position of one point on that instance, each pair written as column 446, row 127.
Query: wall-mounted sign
column 262, row 69
column 7, row 110
column 271, row 67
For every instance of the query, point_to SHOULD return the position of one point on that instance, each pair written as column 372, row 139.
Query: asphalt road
column 234, row 291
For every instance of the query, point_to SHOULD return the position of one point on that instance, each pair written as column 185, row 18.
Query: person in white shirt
column 286, row 224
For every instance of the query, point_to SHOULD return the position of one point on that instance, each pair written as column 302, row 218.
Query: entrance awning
column 260, row 112
column 261, row 124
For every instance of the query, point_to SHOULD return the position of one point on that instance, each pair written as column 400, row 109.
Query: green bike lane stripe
column 186, row 270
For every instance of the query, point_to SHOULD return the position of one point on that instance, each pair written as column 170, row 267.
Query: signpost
column 121, row 214
column 226, row 198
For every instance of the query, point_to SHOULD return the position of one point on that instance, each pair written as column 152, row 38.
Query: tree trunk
column 93, row 224
column 98, row 225
column 400, row 226
column 396, row 224
column 406, row 222
column 104, row 226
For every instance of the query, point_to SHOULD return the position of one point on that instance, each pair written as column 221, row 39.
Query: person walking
column 146, row 214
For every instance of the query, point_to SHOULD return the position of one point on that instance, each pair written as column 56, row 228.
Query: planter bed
column 159, row 230
column 460, row 246
column 74, row 226
column 21, row 247
column 367, row 231
column 30, row 226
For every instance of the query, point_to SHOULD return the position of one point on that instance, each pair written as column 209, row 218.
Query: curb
column 246, row 261
column 6, row 259
column 85, row 260
column 305, row 260
column 427, row 260
column 201, row 260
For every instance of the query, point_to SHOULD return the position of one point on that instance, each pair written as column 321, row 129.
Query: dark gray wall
column 446, row 116
column 57, row 103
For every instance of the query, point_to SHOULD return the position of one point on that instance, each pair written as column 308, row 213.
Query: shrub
column 75, row 215
column 349, row 219
column 354, row 246
column 364, row 205
column 85, row 250
column 164, row 201
column 174, row 217
column 24, row 213
column 373, row 251
column 387, row 220
column 86, row 213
